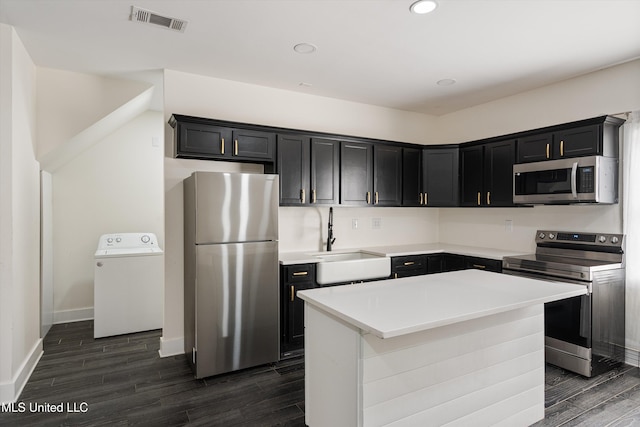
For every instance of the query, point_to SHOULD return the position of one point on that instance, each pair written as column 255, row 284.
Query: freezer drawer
column 236, row 307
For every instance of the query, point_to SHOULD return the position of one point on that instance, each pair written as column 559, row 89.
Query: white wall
column 21, row 345
column 114, row 186
column 195, row 95
column 69, row 102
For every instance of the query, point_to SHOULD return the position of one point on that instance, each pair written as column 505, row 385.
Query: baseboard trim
column 632, row 357
column 75, row 315
column 10, row 391
column 171, row 347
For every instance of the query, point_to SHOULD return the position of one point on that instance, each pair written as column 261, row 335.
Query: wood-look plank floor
column 122, row 381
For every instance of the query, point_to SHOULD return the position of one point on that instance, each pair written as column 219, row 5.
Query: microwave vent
column 148, row 17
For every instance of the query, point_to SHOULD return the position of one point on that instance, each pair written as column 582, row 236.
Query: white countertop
column 394, row 307
column 289, row 258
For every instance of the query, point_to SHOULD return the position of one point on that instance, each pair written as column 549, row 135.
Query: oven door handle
column 574, row 179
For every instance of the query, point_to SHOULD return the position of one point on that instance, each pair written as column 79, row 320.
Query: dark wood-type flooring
column 122, row 381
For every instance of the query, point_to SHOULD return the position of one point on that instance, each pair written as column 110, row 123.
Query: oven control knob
column 552, row 236
column 602, row 239
column 541, row 235
column 614, row 239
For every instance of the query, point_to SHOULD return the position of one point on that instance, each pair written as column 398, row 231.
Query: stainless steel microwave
column 592, row 179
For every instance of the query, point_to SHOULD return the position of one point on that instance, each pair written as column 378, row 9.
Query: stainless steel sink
column 352, row 266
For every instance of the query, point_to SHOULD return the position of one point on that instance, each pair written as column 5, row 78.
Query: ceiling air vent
column 148, row 17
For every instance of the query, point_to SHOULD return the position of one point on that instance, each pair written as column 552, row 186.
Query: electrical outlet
column 354, row 223
column 508, row 226
column 376, row 223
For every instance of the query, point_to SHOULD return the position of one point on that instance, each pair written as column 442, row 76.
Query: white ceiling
column 369, row 51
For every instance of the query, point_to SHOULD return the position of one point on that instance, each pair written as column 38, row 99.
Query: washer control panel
column 127, row 240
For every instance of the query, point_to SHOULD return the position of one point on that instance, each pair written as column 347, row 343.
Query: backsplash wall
column 305, row 228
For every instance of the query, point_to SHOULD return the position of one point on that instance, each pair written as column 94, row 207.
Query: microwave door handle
column 574, row 184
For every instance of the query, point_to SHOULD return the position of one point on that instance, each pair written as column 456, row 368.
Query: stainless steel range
column 582, row 334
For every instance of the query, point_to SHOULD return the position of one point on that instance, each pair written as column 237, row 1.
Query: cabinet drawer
column 484, row 264
column 299, row 273
column 416, row 264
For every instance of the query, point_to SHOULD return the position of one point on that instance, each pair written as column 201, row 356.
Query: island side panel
column 488, row 371
column 333, row 351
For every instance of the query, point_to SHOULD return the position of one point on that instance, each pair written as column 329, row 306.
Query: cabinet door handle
column 302, row 195
column 547, row 151
column 488, row 197
column 376, row 200
column 368, row 197
column 293, row 293
column 300, row 273
column 313, row 196
column 235, row 147
column 409, row 263
column 478, row 198
column 222, row 146
column 482, row 267
column 562, row 148
column 395, row 275
column 421, row 197
column 426, row 199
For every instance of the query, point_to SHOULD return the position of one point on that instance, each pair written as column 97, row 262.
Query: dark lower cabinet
column 410, row 265
column 483, row 264
column 417, row 265
column 293, row 278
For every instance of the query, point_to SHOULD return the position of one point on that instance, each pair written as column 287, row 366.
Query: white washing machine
column 128, row 284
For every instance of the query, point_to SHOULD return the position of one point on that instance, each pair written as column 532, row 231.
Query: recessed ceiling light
column 423, row 6
column 305, row 48
column 445, row 82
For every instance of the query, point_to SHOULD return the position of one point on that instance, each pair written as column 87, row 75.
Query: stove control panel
column 578, row 238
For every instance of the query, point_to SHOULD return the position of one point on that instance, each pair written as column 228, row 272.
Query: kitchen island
column 464, row 347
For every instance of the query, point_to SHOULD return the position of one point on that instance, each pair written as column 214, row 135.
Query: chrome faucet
column 330, row 238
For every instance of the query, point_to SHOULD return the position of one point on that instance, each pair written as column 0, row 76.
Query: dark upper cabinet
column 472, row 172
column 202, row 140
column 535, row 148
column 597, row 136
column 411, row 177
column 356, row 173
column 294, row 168
column 487, row 174
column 196, row 137
column 248, row 144
column 370, row 174
column 325, row 172
column 387, row 175
column 498, row 173
column 440, row 176
column 575, row 142
column 581, row 141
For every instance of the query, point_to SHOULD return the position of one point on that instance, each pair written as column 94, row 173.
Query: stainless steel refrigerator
column 230, row 271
